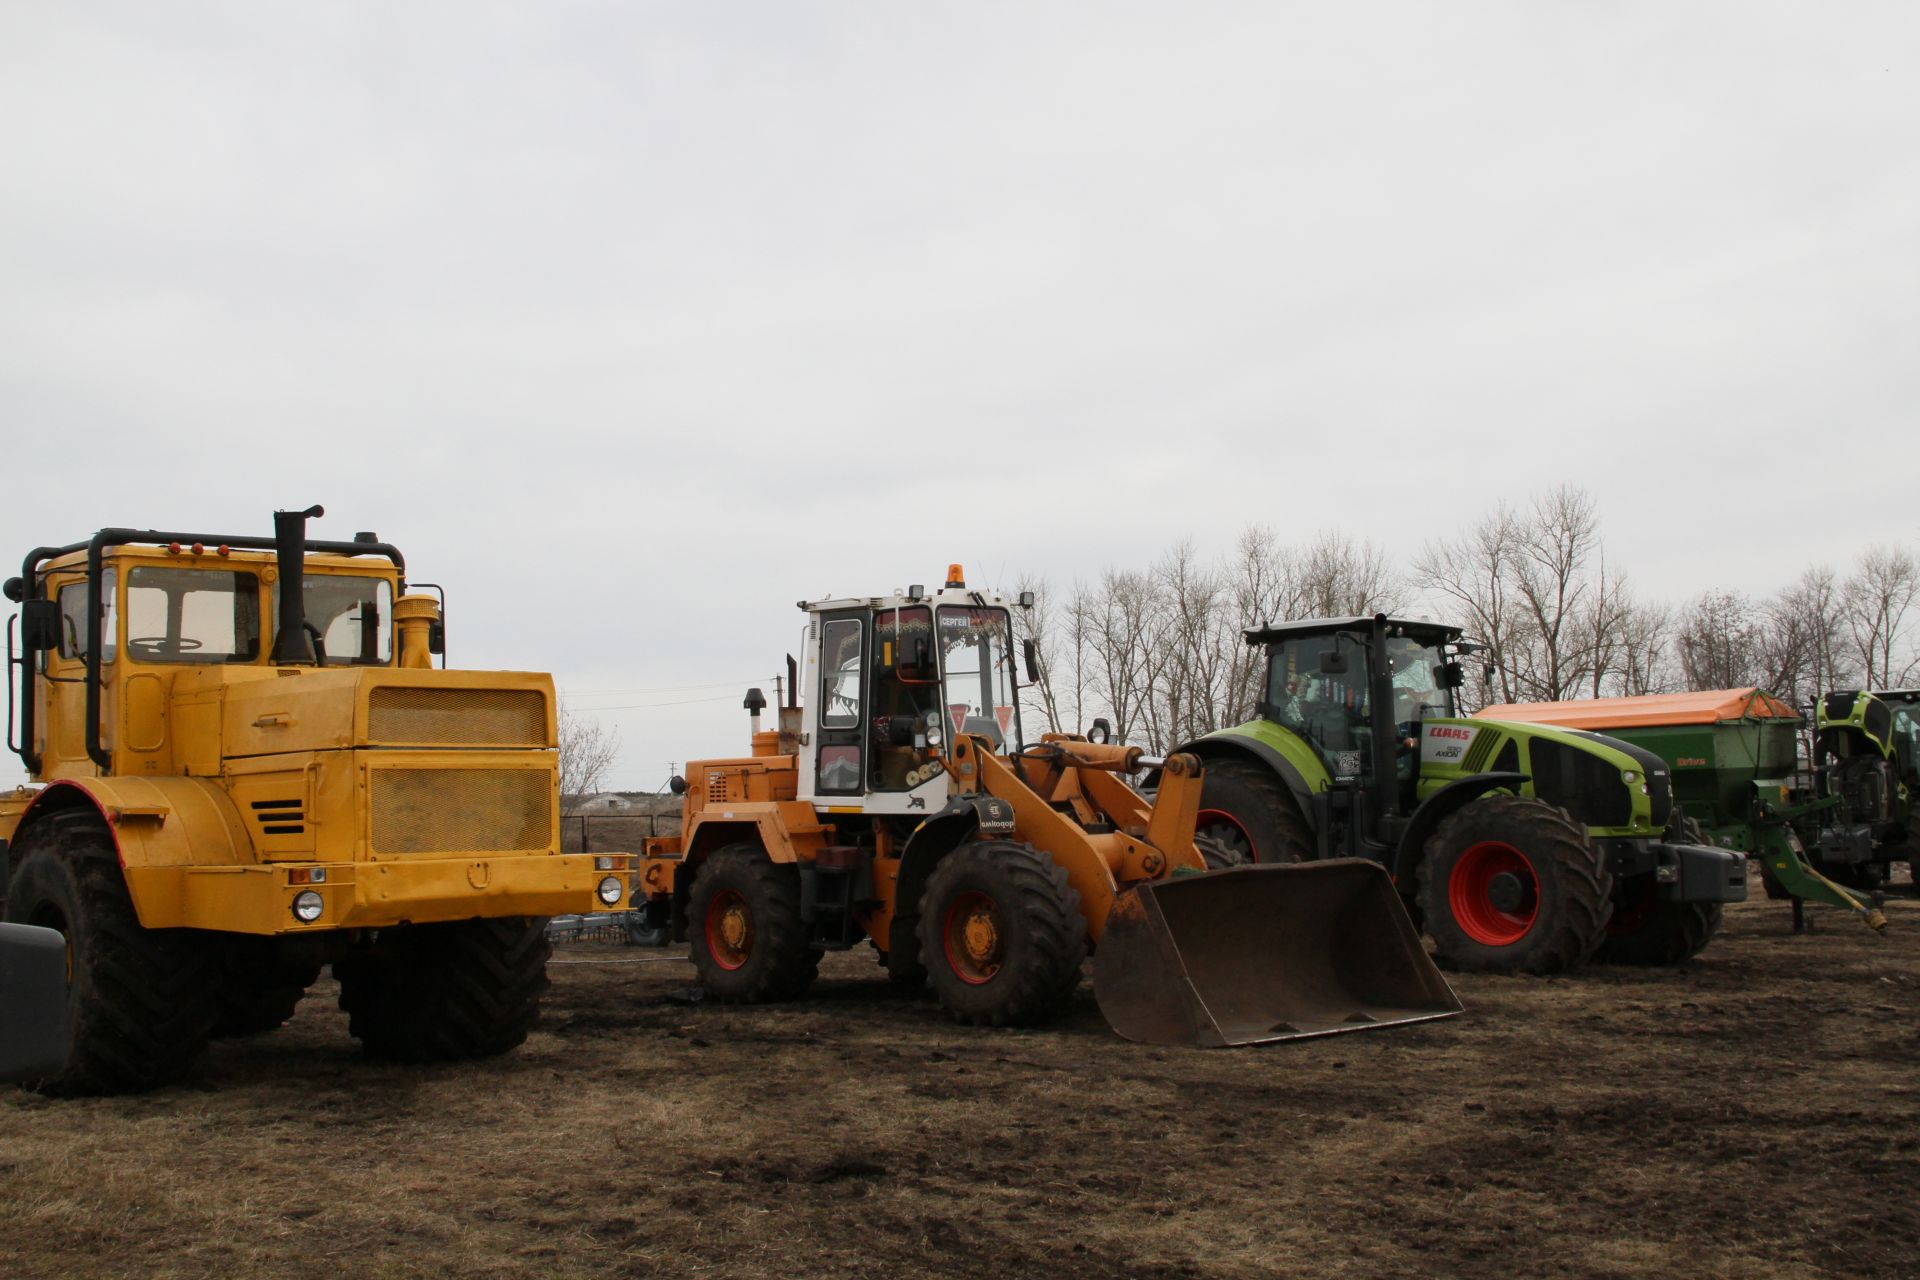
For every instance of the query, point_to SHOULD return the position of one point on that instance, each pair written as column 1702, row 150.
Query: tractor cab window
column 1317, row 686
column 353, row 614
column 73, row 618
column 192, row 615
column 976, row 665
column 1419, row 680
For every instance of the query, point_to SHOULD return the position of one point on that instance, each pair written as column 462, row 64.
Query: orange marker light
column 956, row 576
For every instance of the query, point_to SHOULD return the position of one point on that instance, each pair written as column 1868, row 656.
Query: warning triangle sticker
column 1005, row 716
column 958, row 710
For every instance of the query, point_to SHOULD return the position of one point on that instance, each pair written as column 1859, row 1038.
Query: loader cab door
column 839, row 762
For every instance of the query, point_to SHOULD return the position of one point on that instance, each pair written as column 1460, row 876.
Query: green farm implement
column 1866, row 768
column 1732, row 756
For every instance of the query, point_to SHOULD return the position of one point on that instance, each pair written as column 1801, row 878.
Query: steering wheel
column 160, row 646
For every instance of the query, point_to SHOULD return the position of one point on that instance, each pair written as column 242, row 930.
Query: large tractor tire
column 141, row 1002
column 442, row 992
column 258, row 991
column 1001, row 934
column 1245, row 807
column 1512, row 884
column 1649, row 931
column 748, row 942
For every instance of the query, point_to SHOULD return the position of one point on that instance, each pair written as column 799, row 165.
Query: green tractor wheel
column 1511, row 884
column 1647, row 930
column 1247, row 810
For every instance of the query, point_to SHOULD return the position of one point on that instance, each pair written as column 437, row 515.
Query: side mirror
column 1032, row 652
column 39, row 625
column 677, row 785
column 436, row 637
column 1451, row 676
column 1333, row 662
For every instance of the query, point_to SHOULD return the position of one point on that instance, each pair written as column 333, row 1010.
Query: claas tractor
column 1866, row 766
column 900, row 803
column 1521, row 848
column 248, row 768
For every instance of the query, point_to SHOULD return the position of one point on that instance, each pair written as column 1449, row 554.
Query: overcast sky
column 634, row 323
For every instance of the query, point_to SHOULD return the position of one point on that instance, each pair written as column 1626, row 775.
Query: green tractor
column 1866, row 761
column 1522, row 848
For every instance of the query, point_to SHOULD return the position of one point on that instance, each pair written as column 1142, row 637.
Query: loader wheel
column 749, row 944
column 1001, row 934
column 140, row 1001
column 1245, row 806
column 440, row 992
column 1511, row 884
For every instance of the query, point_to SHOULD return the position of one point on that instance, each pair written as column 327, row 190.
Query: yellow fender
column 155, row 823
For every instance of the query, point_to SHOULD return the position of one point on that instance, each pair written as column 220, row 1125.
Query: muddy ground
column 1755, row 1114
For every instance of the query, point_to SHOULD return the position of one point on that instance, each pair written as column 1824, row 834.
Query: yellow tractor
column 249, row 768
column 901, row 804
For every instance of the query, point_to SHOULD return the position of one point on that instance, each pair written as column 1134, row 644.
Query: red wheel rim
column 1218, row 824
column 729, row 929
column 1470, row 894
column 971, row 937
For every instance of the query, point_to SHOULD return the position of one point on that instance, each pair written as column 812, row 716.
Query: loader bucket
column 1254, row 954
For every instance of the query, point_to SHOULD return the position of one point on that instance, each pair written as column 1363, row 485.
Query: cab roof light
column 956, row 576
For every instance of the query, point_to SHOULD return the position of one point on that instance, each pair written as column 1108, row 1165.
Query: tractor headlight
column 610, row 890
column 307, row 906
column 1629, row 777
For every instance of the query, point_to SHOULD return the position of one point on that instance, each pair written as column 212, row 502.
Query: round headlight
column 610, row 890
column 1629, row 776
column 307, row 906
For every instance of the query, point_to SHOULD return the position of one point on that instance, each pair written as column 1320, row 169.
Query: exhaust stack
column 292, row 646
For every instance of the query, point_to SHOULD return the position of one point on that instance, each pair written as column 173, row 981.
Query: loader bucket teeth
column 1262, row 953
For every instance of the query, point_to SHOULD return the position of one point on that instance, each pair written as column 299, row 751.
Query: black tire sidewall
column 1043, row 933
column 1259, row 803
column 776, row 960
column 44, row 877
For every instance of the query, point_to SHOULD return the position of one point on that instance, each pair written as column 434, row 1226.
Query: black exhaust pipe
column 292, row 646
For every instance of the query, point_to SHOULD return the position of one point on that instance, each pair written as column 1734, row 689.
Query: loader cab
column 889, row 682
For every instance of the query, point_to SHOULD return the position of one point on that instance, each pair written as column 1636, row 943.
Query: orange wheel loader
column 898, row 803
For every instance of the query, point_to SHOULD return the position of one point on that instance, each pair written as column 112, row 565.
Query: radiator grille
column 462, row 810
column 458, row 717
column 1477, row 753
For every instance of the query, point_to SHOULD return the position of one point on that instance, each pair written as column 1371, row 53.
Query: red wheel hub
column 972, row 938
column 729, row 929
column 1494, row 894
column 1218, row 824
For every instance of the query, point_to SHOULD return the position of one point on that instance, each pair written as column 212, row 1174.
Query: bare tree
column 1473, row 575
column 1041, row 625
column 1876, row 602
column 1719, row 644
column 1551, row 548
column 1643, row 661
column 587, row 750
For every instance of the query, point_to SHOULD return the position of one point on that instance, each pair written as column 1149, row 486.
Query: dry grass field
column 1756, row 1114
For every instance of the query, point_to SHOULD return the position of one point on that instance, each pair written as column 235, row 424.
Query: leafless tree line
column 1159, row 651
